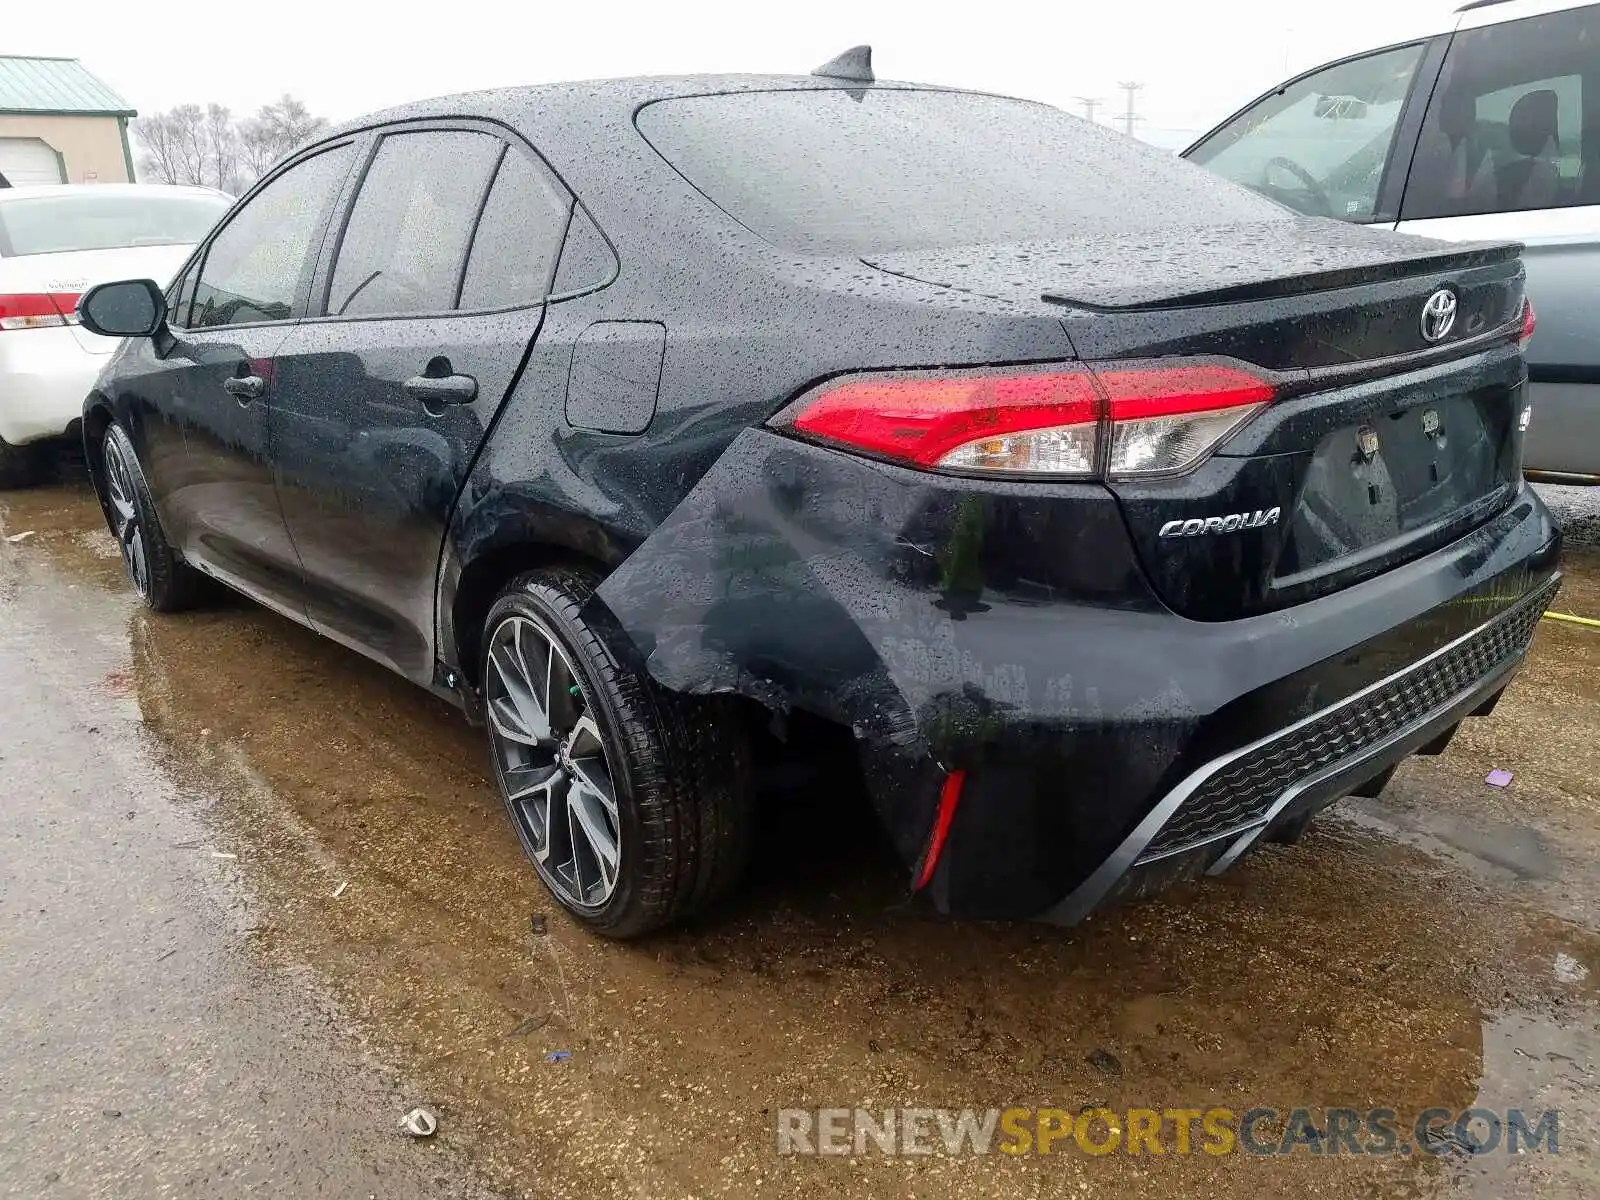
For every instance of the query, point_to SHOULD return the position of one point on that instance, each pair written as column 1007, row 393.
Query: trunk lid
column 1382, row 444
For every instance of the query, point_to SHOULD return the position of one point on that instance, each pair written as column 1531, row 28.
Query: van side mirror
column 127, row 308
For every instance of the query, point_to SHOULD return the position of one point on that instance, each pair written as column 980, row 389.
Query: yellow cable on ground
column 1589, row 621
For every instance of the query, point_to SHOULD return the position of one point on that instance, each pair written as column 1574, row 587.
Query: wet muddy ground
column 1439, row 947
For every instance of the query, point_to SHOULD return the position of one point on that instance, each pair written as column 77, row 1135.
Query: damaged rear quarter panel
column 923, row 612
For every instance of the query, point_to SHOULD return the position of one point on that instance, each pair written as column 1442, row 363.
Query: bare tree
column 190, row 144
column 189, row 121
column 175, row 145
column 258, row 148
column 275, row 130
column 158, row 137
column 222, row 146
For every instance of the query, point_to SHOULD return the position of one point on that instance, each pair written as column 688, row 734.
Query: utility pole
column 1130, row 116
column 1090, row 103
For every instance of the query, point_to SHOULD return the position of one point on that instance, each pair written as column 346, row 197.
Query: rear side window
column 519, row 237
column 259, row 264
column 1514, row 122
column 405, row 244
column 860, row 171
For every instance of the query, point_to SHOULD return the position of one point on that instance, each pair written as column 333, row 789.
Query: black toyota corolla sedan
column 1123, row 517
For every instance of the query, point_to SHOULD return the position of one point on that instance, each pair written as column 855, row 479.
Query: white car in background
column 56, row 242
column 1487, row 131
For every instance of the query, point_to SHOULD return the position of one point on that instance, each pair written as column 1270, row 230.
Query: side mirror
column 127, row 308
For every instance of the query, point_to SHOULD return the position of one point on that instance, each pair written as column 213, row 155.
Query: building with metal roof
column 60, row 124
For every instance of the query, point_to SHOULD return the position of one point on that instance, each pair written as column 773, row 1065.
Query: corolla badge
column 1232, row 523
column 1439, row 315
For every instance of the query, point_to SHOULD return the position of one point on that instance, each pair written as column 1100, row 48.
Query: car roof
column 34, row 191
column 552, row 105
column 1478, row 13
column 585, row 132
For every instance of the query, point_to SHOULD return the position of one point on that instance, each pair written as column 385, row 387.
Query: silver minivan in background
column 1489, row 130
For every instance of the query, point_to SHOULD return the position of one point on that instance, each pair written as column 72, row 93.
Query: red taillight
column 921, row 419
column 1528, row 323
column 1071, row 421
column 36, row 309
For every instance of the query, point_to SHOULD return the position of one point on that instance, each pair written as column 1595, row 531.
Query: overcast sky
column 1198, row 59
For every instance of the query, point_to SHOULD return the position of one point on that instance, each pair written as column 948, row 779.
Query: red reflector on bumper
column 949, row 797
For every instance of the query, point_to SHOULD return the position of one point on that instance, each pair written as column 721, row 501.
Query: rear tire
column 632, row 802
column 20, row 466
column 164, row 581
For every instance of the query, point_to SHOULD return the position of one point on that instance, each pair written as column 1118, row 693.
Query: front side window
column 1513, row 123
column 1321, row 144
column 180, row 296
column 257, row 267
column 406, row 242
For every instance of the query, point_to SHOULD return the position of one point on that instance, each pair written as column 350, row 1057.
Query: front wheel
column 164, row 581
column 632, row 802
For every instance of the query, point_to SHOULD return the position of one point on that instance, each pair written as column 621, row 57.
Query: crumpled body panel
column 1006, row 630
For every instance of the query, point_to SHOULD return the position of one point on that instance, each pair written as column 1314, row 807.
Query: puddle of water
column 147, row 1049
column 1352, row 970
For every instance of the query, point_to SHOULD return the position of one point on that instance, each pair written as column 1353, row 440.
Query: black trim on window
column 198, row 259
column 328, row 260
column 467, row 123
column 477, row 219
column 1408, row 131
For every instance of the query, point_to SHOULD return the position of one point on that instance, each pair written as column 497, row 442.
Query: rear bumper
column 44, row 376
column 1107, row 745
column 1221, row 809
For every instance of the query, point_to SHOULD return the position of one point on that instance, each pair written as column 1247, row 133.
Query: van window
column 1514, row 122
column 1320, row 144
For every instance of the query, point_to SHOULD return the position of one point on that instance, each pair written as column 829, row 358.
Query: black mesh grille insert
column 1242, row 792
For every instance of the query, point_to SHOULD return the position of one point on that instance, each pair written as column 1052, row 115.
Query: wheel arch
column 97, row 418
column 467, row 592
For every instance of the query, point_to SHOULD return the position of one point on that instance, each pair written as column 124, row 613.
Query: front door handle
column 245, row 388
column 443, row 389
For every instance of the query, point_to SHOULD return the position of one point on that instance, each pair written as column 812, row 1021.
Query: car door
column 203, row 437
column 426, row 308
column 1510, row 150
column 1335, row 141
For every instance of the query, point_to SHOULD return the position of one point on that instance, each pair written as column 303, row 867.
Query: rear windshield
column 55, row 224
column 864, row 170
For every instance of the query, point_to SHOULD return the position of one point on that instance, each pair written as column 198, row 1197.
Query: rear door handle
column 245, row 387
column 445, row 389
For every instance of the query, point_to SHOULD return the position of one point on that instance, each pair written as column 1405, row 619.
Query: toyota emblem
column 1438, row 316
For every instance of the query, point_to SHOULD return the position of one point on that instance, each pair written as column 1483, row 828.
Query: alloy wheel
column 125, row 512
column 553, row 762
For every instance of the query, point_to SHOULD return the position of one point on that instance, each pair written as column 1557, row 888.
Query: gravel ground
column 319, row 847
